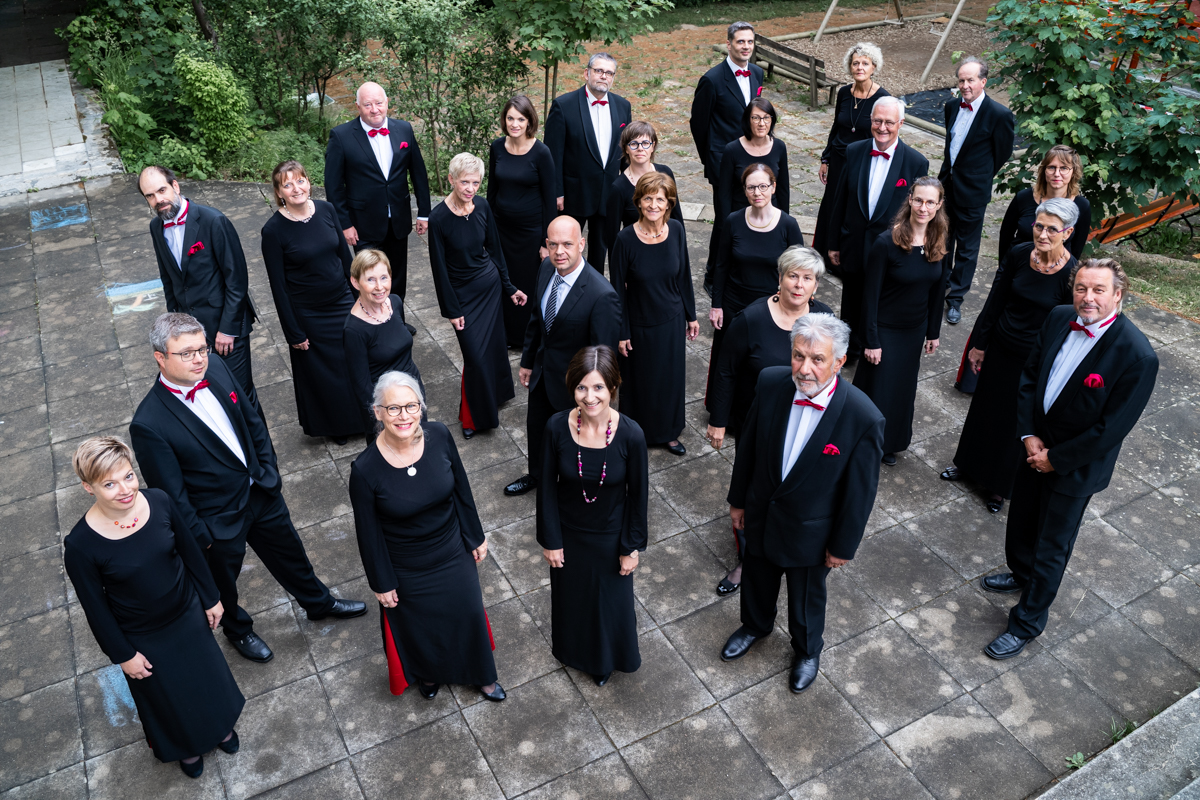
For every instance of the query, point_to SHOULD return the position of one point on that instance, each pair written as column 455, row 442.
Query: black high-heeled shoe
column 428, row 690
column 994, row 504
column 727, row 586
column 602, row 680
column 232, row 744
column 194, row 769
column 468, row 432
column 496, row 695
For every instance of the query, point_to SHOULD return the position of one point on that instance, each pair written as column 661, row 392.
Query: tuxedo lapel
column 862, row 176
column 780, row 408
column 573, row 295
column 357, row 132
column 889, row 183
column 209, row 441
column 810, row 456
column 977, row 124
column 1076, row 380
column 589, row 131
column 732, row 85
column 1048, row 356
column 222, row 393
column 394, row 139
column 191, row 234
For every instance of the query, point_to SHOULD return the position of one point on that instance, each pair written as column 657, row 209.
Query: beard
column 801, row 385
column 170, row 212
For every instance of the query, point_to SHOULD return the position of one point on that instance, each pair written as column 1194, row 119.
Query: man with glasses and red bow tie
column 583, row 132
column 198, row 439
column 979, row 139
column 369, row 163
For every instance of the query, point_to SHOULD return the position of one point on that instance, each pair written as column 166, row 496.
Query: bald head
column 564, row 240
column 372, row 104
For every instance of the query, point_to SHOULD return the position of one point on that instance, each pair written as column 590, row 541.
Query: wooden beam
column 937, row 51
column 824, row 22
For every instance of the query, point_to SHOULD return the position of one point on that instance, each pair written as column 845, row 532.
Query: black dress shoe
column 677, row 448
column 194, row 769
column 340, row 440
column 496, row 694
column 232, row 744
column 1002, row 583
column 994, row 504
column 953, row 315
column 727, row 586
column 1005, row 646
column 468, row 433
column 738, row 644
column 252, row 647
column 889, row 459
column 602, row 680
column 342, row 609
column 521, row 485
column 949, row 474
column 804, row 672
column 427, row 690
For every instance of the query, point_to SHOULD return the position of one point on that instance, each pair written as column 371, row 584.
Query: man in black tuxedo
column 583, row 132
column 369, row 163
column 875, row 184
column 1084, row 386
column 575, row 307
column 203, row 270
column 979, row 140
column 803, row 485
column 722, row 95
column 199, row 440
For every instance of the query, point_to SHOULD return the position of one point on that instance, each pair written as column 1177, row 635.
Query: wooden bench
column 795, row 65
column 1128, row 225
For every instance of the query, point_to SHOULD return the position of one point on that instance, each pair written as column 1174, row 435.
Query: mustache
column 170, row 212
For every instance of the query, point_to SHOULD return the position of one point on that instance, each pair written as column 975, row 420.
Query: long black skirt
column 821, row 237
column 735, row 301
column 989, row 453
column 324, row 398
column 487, row 378
column 438, row 629
column 593, row 623
column 520, row 239
column 653, row 379
column 892, row 383
column 190, row 702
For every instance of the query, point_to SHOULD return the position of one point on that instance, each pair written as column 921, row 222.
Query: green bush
column 186, row 158
column 219, row 104
column 129, row 124
column 258, row 156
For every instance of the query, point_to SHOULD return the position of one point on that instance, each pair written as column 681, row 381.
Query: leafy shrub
column 129, row 125
column 186, row 158
column 217, row 101
column 258, row 156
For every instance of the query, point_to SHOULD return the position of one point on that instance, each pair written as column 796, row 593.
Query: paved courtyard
column 906, row 706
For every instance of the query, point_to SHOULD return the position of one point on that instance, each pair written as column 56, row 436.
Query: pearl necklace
column 372, row 316
column 579, row 456
column 643, row 232
column 308, row 204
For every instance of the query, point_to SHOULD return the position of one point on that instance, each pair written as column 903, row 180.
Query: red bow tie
column 191, row 395
column 804, row 401
column 179, row 221
column 377, row 132
column 886, row 157
column 599, row 102
column 1075, row 326
column 742, row 73
column 967, row 106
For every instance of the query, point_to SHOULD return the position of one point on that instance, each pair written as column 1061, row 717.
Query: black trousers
column 806, row 602
column 966, row 229
column 852, row 308
column 1042, row 527
column 714, row 242
column 238, row 362
column 396, row 249
column 270, row 532
column 537, row 414
column 597, row 251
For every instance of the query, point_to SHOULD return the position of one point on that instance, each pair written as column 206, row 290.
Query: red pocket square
column 831, row 450
column 902, row 182
column 198, row 246
column 403, row 145
column 233, row 396
column 1094, row 381
column 622, row 124
column 759, row 92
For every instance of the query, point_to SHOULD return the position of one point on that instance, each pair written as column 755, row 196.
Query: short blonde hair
column 95, row 459
column 465, row 164
column 799, row 257
column 868, row 49
column 365, row 260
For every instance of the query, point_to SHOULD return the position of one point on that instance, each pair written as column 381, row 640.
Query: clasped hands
column 139, row 666
column 628, row 563
column 1038, row 454
column 738, row 515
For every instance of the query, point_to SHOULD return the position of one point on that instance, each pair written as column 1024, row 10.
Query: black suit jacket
column 212, row 283
column 717, row 110
column 856, row 231
column 180, row 455
column 988, row 145
column 360, row 194
column 1086, row 425
column 590, row 314
column 824, row 501
column 581, row 178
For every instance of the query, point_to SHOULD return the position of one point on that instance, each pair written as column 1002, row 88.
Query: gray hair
column 1066, row 210
column 397, row 380
column 813, row 328
column 800, row 257
column 594, row 57
column 465, row 164
column 868, row 49
column 892, row 101
column 172, row 326
column 736, row 28
column 983, row 68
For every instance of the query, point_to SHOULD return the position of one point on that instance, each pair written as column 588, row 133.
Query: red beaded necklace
column 579, row 455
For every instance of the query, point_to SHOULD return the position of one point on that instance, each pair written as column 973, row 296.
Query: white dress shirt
column 962, row 126
column 1074, row 350
column 802, row 421
column 601, row 124
column 743, row 81
column 208, row 408
column 174, row 234
column 879, row 173
column 567, row 282
column 382, row 147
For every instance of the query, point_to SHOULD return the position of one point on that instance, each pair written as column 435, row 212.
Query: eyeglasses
column 188, row 355
column 1059, row 170
column 641, row 144
column 603, row 73
column 919, row 203
column 759, row 119
column 412, row 409
column 759, row 188
column 1050, row 229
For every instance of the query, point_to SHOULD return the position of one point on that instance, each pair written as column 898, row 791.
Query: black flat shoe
column 949, row 474
column 194, row 769
column 232, row 744
column 468, row 433
column 521, row 485
column 889, row 459
column 677, row 449
column 253, row 648
column 738, row 645
column 727, row 586
column 1005, row 646
column 342, row 609
column 341, row 440
column 602, row 680
column 497, row 694
column 994, row 504
column 428, row 690
column 1002, row 583
column 804, row 672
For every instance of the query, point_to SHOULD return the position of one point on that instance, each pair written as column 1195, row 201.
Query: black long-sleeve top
column 731, row 197
column 620, row 212
column 1017, row 225
column 372, row 350
column 749, row 259
column 1020, row 300
column 902, row 290
column 141, row 583
column 620, row 504
column 850, row 124
column 461, row 249
column 522, row 187
column 412, row 521
column 653, row 281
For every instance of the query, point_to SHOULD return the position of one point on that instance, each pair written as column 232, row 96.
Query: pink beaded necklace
column 579, row 455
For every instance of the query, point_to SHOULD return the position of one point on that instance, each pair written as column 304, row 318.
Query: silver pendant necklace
column 412, row 468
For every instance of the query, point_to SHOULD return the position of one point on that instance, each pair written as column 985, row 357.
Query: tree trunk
column 545, row 92
column 206, row 27
column 554, row 85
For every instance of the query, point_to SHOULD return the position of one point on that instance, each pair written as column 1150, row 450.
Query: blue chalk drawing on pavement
column 137, row 296
column 118, row 702
column 58, row 216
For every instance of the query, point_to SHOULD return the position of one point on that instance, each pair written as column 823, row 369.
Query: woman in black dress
column 751, row 242
column 653, row 278
column 308, row 264
column 471, row 278
column 638, row 143
column 521, row 194
column 420, row 538
column 903, row 287
column 1033, row 280
column 152, row 605
column 375, row 337
column 851, row 123
column 760, row 337
column 756, row 145
column 592, row 520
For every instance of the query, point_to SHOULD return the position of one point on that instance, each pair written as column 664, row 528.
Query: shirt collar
column 569, row 280
column 822, row 397
column 368, row 128
column 735, row 67
column 891, row 151
column 176, row 386
column 183, row 209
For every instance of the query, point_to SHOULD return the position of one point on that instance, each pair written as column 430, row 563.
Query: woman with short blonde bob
column 152, row 605
column 471, row 279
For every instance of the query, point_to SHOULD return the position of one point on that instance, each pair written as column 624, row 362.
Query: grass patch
column 1170, row 283
column 719, row 12
column 1170, row 241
